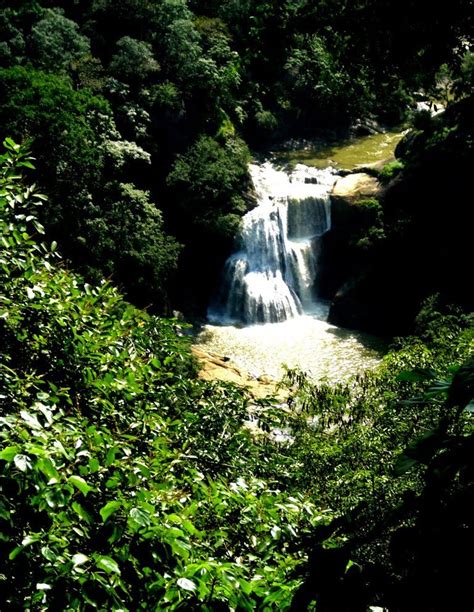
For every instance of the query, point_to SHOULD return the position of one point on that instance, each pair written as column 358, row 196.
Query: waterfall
column 271, row 277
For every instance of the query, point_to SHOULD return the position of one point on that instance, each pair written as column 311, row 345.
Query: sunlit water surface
column 306, row 342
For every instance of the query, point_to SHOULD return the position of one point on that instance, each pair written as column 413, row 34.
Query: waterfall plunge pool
column 305, row 342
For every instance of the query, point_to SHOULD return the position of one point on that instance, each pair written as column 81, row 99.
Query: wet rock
column 366, row 127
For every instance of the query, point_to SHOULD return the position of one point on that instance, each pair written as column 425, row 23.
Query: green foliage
column 390, row 170
column 12, row 41
column 146, row 81
column 107, row 228
column 266, row 124
column 126, row 482
column 56, row 42
column 126, row 240
column 67, row 127
column 425, row 530
column 226, row 130
column 133, row 61
column 320, row 88
column 465, row 83
column 392, row 451
column 209, row 176
column 129, row 483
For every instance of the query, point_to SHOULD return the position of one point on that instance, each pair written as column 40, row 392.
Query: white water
column 271, row 278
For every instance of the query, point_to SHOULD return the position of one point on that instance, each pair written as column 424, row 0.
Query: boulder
column 372, row 302
column 366, row 127
column 355, row 187
column 341, row 270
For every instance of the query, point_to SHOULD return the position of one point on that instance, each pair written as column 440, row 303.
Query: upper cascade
column 271, row 277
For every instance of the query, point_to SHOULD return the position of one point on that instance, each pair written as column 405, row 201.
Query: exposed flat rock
column 218, row 367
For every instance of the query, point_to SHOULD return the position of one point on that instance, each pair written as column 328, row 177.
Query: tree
column 133, row 62
column 319, row 88
column 12, row 40
column 56, row 42
column 101, row 225
column 126, row 240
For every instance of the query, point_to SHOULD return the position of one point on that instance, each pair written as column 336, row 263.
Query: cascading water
column 271, row 278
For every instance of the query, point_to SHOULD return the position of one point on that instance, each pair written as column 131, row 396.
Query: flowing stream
column 267, row 315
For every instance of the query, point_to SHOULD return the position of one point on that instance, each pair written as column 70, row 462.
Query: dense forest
column 126, row 482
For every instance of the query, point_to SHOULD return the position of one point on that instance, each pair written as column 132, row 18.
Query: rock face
column 348, row 216
column 343, row 272
column 372, row 304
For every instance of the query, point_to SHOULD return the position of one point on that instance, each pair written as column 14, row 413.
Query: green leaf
column 420, row 450
column 82, row 513
column 30, row 539
column 416, row 375
column 470, row 407
column 190, row 528
column 48, row 554
column 80, row 484
column 108, row 564
column 109, row 509
column 10, row 144
column 46, row 466
column 8, row 453
column 30, row 420
column 140, row 517
column 15, row 552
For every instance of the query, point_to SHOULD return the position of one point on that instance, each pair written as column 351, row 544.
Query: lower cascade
column 271, row 277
